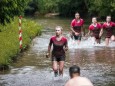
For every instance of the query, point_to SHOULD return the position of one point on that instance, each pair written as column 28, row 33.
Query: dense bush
column 9, row 45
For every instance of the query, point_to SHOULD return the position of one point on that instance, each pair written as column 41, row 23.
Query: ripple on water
column 28, row 76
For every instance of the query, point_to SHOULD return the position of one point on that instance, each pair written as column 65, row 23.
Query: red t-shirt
column 92, row 27
column 95, row 29
column 77, row 23
column 108, row 28
column 58, row 46
column 111, row 24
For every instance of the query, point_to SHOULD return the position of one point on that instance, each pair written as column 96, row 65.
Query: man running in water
column 108, row 27
column 95, row 29
column 60, row 45
column 77, row 28
column 76, row 79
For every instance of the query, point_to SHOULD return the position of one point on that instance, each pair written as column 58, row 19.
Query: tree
column 11, row 8
column 101, row 8
column 48, row 6
column 33, row 6
column 69, row 7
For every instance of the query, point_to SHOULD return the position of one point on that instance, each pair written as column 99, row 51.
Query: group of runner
column 60, row 45
column 96, row 29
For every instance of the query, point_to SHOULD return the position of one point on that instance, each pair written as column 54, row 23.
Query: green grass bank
column 9, row 39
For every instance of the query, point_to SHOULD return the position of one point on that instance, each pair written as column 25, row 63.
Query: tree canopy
column 11, row 8
column 100, row 8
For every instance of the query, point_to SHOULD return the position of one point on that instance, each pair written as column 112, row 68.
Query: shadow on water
column 97, row 62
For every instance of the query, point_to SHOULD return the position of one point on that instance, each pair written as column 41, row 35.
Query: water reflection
column 97, row 64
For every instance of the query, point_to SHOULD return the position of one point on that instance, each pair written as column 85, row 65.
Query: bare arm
column 48, row 53
column 49, row 48
column 76, row 33
column 82, row 31
column 101, row 32
column 72, row 30
column 71, row 26
column 66, row 46
column 82, row 28
column 89, row 32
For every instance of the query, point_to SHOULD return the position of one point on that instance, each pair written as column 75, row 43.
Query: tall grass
column 9, row 38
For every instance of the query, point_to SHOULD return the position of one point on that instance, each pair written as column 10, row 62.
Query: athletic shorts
column 97, row 37
column 77, row 37
column 58, row 58
column 108, row 35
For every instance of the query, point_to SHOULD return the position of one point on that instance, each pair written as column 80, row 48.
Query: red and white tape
column 20, row 31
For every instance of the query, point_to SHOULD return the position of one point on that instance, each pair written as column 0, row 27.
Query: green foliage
column 50, row 5
column 101, row 8
column 42, row 6
column 64, row 7
column 10, row 8
column 9, row 46
column 69, row 7
column 33, row 6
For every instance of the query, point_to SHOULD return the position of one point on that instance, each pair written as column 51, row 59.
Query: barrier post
column 20, row 32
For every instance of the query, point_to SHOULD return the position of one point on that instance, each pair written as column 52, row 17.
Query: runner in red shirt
column 60, row 45
column 77, row 28
column 95, row 29
column 108, row 27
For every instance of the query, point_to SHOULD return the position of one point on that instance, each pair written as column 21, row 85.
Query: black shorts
column 58, row 58
column 77, row 37
column 97, row 37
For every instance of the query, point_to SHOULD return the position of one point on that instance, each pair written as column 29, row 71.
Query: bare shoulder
column 68, row 83
column 86, row 81
column 79, row 81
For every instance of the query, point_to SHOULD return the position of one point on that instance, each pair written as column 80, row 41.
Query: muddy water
column 97, row 62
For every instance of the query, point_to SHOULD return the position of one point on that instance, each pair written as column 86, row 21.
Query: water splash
column 40, row 44
column 87, row 43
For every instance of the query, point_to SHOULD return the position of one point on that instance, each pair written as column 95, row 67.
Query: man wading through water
column 109, row 26
column 77, row 28
column 95, row 30
column 60, row 45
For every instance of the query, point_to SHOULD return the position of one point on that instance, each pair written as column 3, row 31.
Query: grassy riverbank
column 9, row 41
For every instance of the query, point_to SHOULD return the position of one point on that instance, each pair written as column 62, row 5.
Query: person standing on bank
column 95, row 30
column 108, row 27
column 60, row 45
column 77, row 28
